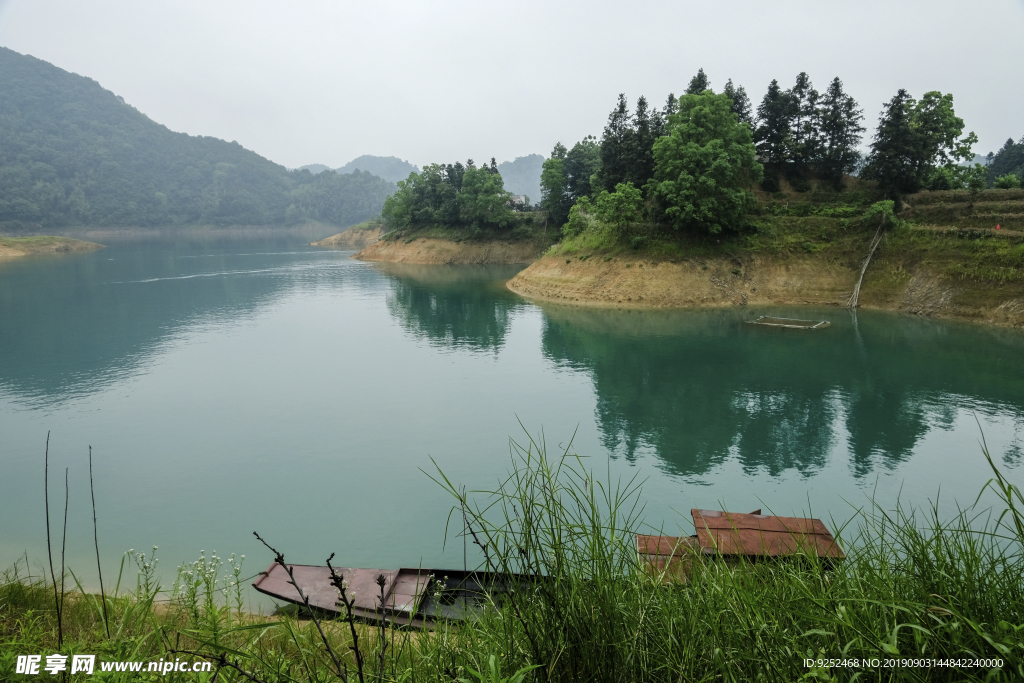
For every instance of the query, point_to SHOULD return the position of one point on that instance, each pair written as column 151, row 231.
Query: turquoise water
column 232, row 386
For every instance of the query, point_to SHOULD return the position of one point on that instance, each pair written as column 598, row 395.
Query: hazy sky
column 320, row 81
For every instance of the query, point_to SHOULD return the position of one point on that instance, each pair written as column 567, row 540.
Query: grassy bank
column 913, row 587
column 43, row 244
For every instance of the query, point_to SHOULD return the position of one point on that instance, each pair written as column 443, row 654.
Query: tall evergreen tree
column 803, row 143
column 914, row 139
column 671, row 106
column 740, row 102
column 895, row 160
column 839, row 132
column 698, row 83
column 646, row 125
column 772, row 135
column 615, row 146
column 1008, row 160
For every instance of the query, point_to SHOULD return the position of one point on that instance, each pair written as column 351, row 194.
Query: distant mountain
column 522, row 176
column 391, row 169
column 314, row 168
column 74, row 154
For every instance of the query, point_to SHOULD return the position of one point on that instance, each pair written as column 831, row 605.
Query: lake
column 230, row 385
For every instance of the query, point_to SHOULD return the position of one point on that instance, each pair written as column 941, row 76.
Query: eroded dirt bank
column 430, row 250
column 14, row 247
column 760, row 280
column 353, row 238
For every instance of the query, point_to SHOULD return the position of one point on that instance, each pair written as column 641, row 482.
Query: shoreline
column 18, row 247
column 436, row 251
column 635, row 282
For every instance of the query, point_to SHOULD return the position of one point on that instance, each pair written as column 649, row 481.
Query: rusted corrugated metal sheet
column 755, row 535
column 669, row 557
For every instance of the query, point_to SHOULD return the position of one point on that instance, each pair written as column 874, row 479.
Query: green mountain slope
column 388, row 168
column 74, row 154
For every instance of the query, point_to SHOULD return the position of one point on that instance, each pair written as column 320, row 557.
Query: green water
column 232, row 386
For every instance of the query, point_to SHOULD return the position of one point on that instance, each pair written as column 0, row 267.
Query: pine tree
column 646, row 127
column 772, row 135
column 896, row 152
column 615, row 146
column 803, row 141
column 740, row 102
column 839, row 132
column 698, row 83
column 671, row 106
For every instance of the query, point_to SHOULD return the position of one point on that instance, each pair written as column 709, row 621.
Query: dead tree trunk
column 864, row 268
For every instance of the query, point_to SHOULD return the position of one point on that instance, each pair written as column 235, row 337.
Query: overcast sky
column 321, row 81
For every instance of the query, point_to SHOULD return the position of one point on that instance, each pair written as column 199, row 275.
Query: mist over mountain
column 75, row 154
column 391, row 169
column 522, row 176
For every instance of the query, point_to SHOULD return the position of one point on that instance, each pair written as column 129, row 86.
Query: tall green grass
column 915, row 586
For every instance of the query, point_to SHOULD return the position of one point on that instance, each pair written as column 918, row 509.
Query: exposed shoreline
column 716, row 282
column 436, row 251
column 17, row 247
column 353, row 238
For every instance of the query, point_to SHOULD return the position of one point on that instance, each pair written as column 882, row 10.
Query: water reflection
column 73, row 326
column 701, row 387
column 453, row 306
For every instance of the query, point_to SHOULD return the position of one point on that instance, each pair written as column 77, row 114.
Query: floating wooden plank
column 792, row 323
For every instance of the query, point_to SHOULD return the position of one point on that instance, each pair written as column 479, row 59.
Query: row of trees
column 451, row 195
column 693, row 162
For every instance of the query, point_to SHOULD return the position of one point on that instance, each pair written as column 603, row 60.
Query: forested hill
column 74, row 154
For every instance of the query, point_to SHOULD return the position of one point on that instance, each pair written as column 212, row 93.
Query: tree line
column 694, row 162
column 460, row 196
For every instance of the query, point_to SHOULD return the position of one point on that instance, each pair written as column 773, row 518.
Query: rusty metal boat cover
column 403, row 588
column 731, row 533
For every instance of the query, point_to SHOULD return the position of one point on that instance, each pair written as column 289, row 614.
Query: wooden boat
column 792, row 323
column 411, row 596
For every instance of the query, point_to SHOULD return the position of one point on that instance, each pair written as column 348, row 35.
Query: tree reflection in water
column 701, row 387
column 453, row 306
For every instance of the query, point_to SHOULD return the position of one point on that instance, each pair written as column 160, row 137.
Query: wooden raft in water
column 794, row 323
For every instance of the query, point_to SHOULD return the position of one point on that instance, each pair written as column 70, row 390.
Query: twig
column 96, row 538
column 279, row 559
column 338, row 581
column 49, row 551
column 855, row 299
column 381, row 623
column 63, row 542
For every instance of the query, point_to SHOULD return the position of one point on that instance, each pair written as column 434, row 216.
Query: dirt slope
column 431, row 250
column 353, row 238
column 765, row 280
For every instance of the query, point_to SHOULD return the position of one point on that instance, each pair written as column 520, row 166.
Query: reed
column 915, row 584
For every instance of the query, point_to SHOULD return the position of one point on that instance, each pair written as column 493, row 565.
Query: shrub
column 1007, row 182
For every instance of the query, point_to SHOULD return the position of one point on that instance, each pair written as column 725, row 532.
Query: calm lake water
column 232, row 386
